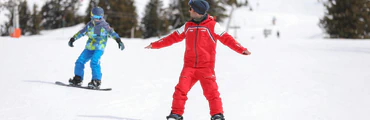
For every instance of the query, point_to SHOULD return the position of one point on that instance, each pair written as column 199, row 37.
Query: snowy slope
column 294, row 19
column 296, row 77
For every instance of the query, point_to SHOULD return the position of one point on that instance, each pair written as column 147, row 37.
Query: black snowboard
column 83, row 87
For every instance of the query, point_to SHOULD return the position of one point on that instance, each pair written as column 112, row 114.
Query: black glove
column 70, row 43
column 120, row 44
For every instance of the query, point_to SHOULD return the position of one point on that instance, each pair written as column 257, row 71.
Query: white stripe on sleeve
column 219, row 30
column 181, row 29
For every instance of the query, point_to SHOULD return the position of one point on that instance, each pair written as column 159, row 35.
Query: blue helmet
column 97, row 13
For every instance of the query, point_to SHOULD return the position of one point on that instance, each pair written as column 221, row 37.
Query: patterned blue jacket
column 98, row 33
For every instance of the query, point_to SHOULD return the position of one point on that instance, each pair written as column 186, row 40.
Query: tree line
column 120, row 14
column 347, row 19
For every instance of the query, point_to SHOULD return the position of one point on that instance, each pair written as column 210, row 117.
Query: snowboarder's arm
column 111, row 32
column 78, row 35
column 115, row 36
column 226, row 39
column 81, row 33
column 177, row 36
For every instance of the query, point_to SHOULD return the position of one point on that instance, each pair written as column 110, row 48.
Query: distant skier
column 98, row 31
column 201, row 34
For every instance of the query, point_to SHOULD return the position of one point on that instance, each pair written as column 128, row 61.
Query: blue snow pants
column 94, row 56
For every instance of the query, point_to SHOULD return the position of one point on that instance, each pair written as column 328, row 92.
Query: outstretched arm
column 115, row 36
column 226, row 39
column 177, row 36
column 82, row 32
column 111, row 32
column 78, row 35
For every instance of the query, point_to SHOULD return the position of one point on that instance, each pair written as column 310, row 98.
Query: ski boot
column 174, row 117
column 219, row 116
column 76, row 81
column 94, row 84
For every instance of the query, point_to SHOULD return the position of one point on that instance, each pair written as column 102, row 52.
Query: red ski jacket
column 200, row 43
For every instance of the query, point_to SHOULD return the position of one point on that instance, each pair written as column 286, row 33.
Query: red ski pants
column 189, row 76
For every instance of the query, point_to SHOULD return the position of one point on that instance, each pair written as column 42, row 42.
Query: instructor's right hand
column 70, row 43
column 149, row 46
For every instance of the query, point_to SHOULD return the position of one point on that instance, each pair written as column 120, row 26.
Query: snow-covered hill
column 298, row 76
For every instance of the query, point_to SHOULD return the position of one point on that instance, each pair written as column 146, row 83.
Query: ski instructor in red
column 201, row 34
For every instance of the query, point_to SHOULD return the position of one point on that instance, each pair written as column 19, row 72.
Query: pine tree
column 178, row 12
column 23, row 13
column 52, row 14
column 154, row 22
column 10, row 7
column 24, row 17
column 35, row 20
column 60, row 13
column 70, row 17
column 237, row 3
column 120, row 14
column 216, row 10
column 92, row 4
column 347, row 19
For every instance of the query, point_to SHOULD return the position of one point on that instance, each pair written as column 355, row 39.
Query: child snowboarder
column 98, row 31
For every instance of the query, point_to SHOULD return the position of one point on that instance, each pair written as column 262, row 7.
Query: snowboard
column 83, row 87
